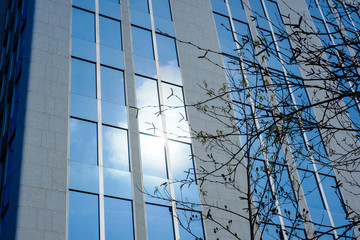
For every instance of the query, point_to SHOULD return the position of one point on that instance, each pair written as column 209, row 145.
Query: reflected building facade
column 94, row 123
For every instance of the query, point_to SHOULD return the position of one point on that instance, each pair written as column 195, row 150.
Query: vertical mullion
column 99, row 125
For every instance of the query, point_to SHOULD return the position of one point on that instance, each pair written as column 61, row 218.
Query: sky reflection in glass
column 84, row 177
column 153, row 156
column 159, row 222
column 117, row 183
column 110, row 8
column 83, row 216
column 83, row 79
column 115, row 148
column 118, row 219
column 147, row 99
column 83, row 141
column 112, row 85
column 190, row 225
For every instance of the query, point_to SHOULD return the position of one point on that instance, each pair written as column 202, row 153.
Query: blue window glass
column 113, row 97
column 84, row 177
column 161, row 8
column 143, row 52
column 83, row 90
column 259, row 14
column 114, row 114
column 115, row 148
column 166, row 49
column 174, row 110
column 159, row 222
column 314, row 201
column 140, row 18
column 112, row 85
column 294, row 233
column 219, row 6
column 110, row 32
column 190, row 225
column 110, row 40
column 275, row 17
column 83, row 216
column 83, row 25
column 168, row 60
column 117, row 183
column 118, row 219
column 237, row 10
column 147, row 100
column 140, row 5
column 164, row 26
column 336, row 205
column 226, row 38
column 155, row 188
column 244, row 39
column 286, row 196
column 153, row 156
column 182, row 169
column 83, row 34
column 86, row 4
column 110, row 8
column 270, row 231
column 83, row 141
column 181, row 161
column 83, row 80
column 142, row 42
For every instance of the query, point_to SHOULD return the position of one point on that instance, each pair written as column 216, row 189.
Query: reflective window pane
column 117, row 183
column 83, row 34
column 110, row 33
column 114, row 114
column 118, row 219
column 83, row 25
column 159, row 222
column 112, row 85
column 145, row 66
column 83, row 216
column 142, row 43
column 153, row 156
column 110, row 8
column 164, row 26
column 190, row 225
column 182, row 166
column 237, row 10
column 83, row 90
column 219, row 6
column 166, row 49
column 110, row 39
column 161, row 8
column 155, row 189
column 226, row 38
column 173, row 100
column 84, row 177
column 86, row 4
column 147, row 100
column 115, row 148
column 83, row 107
column 140, row 18
column 83, row 79
column 140, row 5
column 83, row 141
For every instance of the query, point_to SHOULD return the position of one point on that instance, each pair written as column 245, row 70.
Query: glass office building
column 97, row 141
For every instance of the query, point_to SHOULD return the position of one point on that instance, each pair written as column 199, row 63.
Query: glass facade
column 237, row 43
column 101, row 186
column 100, row 179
